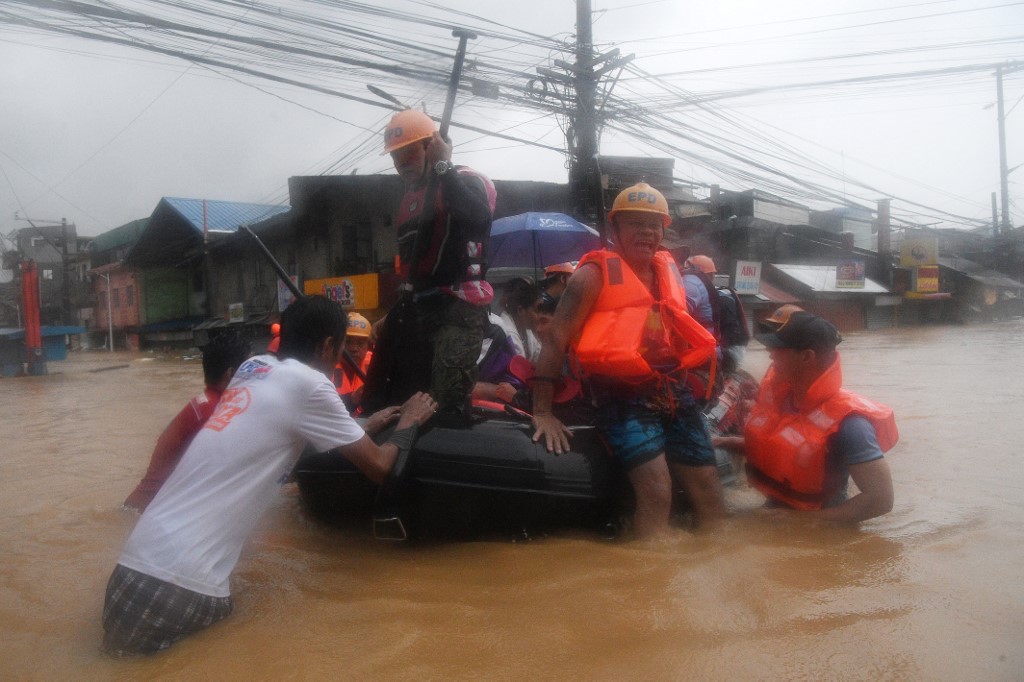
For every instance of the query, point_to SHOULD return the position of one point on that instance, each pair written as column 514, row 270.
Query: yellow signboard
column 356, row 291
column 919, row 251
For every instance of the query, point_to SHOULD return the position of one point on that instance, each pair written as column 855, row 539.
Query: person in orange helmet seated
column 346, row 378
column 556, row 278
column 275, row 338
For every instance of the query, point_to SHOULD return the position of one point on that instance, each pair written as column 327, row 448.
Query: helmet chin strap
column 425, row 171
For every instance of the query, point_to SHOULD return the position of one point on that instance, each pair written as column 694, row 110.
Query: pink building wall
column 124, row 297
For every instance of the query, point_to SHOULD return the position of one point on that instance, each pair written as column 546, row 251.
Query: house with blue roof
column 171, row 257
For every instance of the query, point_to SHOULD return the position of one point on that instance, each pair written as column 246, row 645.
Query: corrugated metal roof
column 774, row 294
column 221, row 216
column 119, row 236
column 822, row 278
column 175, row 229
column 980, row 273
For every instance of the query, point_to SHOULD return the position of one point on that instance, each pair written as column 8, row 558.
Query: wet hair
column 306, row 323
column 224, row 351
column 520, row 293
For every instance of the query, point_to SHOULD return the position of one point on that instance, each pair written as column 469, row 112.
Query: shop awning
column 979, row 273
column 769, row 293
column 822, row 279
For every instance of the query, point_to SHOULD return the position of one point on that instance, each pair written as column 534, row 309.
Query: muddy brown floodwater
column 933, row 591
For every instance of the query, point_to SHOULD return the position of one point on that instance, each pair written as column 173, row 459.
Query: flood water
column 932, row 591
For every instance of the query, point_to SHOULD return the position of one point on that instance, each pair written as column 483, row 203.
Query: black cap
column 803, row 331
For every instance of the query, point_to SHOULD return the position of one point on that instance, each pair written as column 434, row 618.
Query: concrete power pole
column 1003, row 174
column 577, row 87
column 65, row 291
column 584, row 171
column 885, row 239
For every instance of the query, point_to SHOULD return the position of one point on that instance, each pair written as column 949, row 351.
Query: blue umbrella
column 536, row 240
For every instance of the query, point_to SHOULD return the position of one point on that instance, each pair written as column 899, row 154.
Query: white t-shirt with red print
column 192, row 532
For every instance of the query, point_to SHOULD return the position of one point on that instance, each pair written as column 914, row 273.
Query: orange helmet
column 568, row 267
column 781, row 315
column 275, row 338
column 358, row 325
column 702, row 263
column 642, row 197
column 407, row 127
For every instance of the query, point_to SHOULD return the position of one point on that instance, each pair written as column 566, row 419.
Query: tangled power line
column 336, row 47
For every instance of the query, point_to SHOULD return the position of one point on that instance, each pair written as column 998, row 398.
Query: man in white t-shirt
column 172, row 578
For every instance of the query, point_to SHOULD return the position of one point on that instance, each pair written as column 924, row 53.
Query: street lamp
column 110, row 314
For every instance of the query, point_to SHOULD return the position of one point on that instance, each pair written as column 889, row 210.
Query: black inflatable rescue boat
column 491, row 480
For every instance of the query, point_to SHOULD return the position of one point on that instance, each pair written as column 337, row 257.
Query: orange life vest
column 610, row 341
column 787, row 451
column 344, row 382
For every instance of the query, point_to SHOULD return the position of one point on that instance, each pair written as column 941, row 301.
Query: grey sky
column 98, row 133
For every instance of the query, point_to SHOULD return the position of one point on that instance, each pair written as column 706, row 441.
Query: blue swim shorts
column 636, row 434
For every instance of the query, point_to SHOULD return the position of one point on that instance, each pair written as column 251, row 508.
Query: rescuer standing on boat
column 431, row 339
column 624, row 312
column 807, row 435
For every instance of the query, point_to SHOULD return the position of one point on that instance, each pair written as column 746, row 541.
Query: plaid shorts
column 143, row 615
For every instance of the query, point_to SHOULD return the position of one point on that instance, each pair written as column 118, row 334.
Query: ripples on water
column 931, row 591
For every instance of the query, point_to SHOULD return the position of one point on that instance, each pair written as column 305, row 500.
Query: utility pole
column 1004, row 174
column 579, row 83
column 885, row 239
column 995, row 217
column 65, row 292
column 584, row 174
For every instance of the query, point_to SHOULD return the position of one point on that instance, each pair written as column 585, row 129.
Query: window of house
column 116, row 298
column 129, row 296
column 356, row 245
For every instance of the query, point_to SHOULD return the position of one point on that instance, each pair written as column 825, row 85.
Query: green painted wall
column 165, row 294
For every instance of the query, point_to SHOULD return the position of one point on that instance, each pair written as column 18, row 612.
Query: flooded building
column 177, row 283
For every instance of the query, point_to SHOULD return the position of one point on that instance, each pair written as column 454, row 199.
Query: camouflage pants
column 431, row 344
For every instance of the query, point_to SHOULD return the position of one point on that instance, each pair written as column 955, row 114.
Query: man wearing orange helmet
column 728, row 321
column 624, row 314
column 346, row 378
column 556, row 278
column 700, row 299
column 431, row 339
